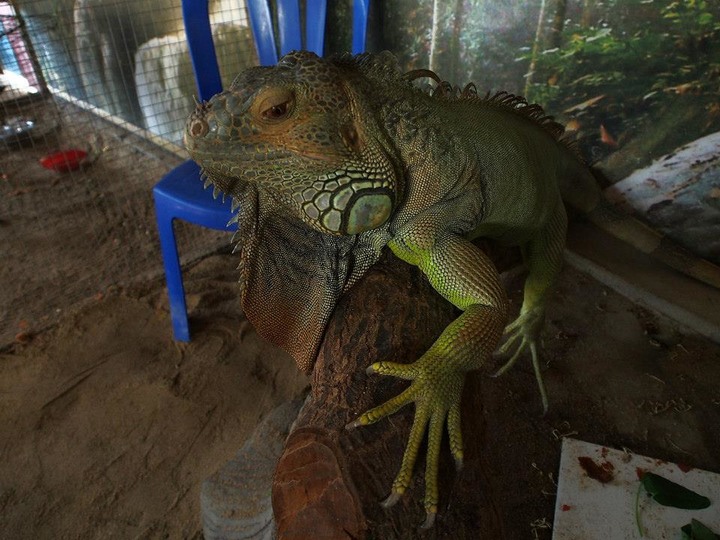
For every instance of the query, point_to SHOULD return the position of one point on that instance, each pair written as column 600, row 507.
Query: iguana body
column 331, row 160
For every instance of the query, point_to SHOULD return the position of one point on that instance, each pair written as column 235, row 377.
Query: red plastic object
column 67, row 160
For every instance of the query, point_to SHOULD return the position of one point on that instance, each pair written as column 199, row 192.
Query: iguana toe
column 386, row 409
column 525, row 330
column 455, row 435
column 401, row 371
column 507, row 347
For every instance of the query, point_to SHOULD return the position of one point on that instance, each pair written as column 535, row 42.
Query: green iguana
column 330, row 160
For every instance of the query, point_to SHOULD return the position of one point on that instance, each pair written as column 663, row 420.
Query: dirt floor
column 67, row 237
column 108, row 426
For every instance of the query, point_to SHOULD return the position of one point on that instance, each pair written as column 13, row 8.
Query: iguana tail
column 583, row 193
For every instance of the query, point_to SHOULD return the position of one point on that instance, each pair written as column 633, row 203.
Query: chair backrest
column 202, row 49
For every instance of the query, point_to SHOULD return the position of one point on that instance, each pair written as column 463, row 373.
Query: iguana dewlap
column 331, row 160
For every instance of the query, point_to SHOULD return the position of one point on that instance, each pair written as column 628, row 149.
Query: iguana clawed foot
column 436, row 390
column 523, row 333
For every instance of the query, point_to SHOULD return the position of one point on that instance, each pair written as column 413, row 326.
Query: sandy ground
column 108, row 426
column 66, row 237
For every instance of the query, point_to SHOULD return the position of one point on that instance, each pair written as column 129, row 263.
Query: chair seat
column 181, row 194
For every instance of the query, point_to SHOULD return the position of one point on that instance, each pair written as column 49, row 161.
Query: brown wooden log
column 330, row 481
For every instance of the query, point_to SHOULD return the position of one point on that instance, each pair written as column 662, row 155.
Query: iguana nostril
column 199, row 127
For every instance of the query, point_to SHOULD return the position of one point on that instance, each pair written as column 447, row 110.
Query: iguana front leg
column 464, row 275
column 543, row 256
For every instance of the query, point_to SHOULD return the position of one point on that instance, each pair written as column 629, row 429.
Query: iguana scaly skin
column 330, row 160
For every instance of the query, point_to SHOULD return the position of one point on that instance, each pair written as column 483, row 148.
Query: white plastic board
column 587, row 508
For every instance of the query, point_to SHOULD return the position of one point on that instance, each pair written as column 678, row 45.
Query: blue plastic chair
column 180, row 193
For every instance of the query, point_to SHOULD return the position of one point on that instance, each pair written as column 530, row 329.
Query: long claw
column 539, row 377
column 352, row 425
column 429, row 520
column 392, row 499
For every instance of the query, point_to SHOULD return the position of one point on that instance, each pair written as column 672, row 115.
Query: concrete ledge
column 693, row 305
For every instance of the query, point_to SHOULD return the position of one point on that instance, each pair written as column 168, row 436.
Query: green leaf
column 669, row 493
column 705, row 19
column 695, row 530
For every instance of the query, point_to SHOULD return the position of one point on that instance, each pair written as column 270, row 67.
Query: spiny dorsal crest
column 380, row 66
column 385, row 67
column 516, row 104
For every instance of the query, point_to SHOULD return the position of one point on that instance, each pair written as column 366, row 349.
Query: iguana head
column 301, row 131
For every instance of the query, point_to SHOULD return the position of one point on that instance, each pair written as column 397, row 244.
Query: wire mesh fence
column 93, row 98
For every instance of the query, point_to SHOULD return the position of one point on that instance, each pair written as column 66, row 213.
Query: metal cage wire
column 93, row 98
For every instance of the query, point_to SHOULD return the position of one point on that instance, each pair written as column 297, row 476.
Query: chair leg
column 173, row 275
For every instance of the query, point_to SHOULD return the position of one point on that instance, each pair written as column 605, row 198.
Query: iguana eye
column 276, row 112
column 275, row 104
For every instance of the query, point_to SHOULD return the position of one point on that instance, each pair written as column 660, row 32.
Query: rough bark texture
column 330, row 481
